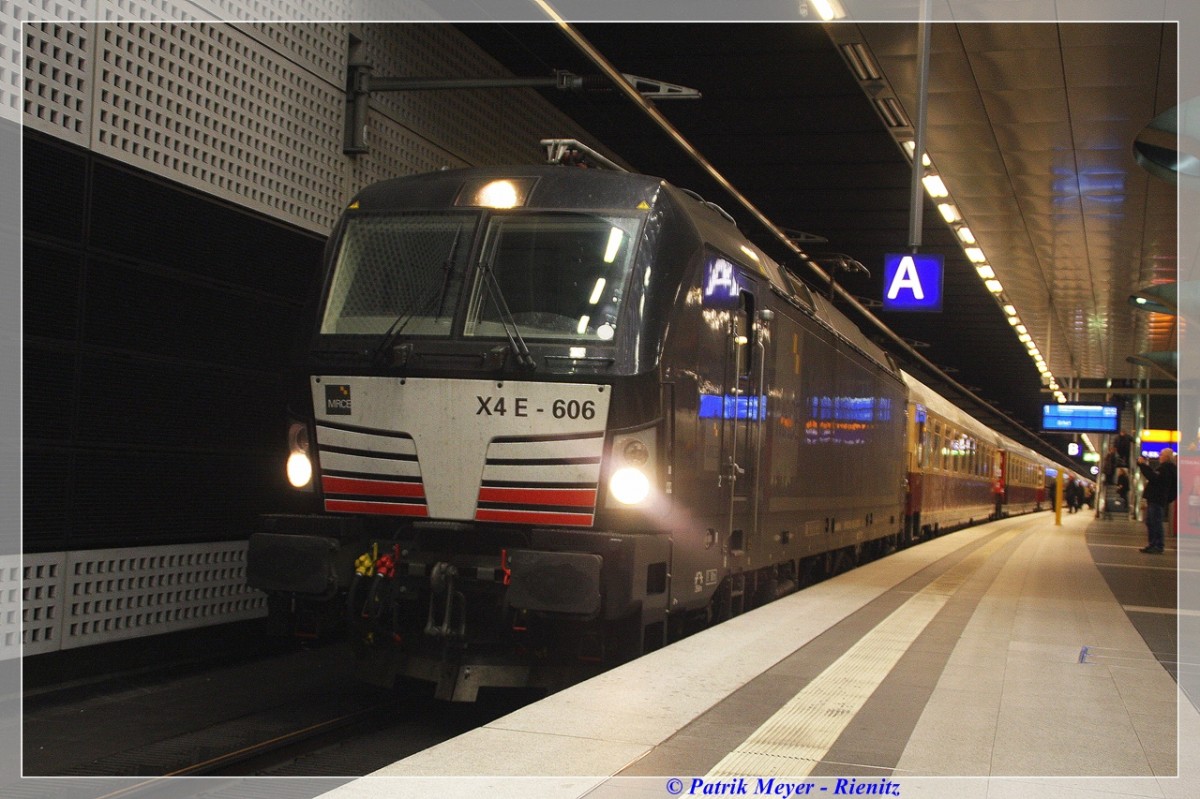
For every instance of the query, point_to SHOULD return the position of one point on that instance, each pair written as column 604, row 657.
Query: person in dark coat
column 1161, row 487
column 1123, row 444
column 1074, row 495
column 1110, row 464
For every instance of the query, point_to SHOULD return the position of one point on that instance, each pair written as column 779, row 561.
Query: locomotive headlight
column 495, row 193
column 633, row 468
column 299, row 464
column 299, row 470
column 635, row 452
column 629, row 485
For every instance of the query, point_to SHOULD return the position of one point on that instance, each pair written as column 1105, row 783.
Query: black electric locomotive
column 557, row 416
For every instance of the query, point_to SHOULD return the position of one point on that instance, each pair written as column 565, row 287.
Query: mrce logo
column 337, row 400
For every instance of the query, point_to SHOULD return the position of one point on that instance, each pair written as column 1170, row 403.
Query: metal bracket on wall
column 360, row 83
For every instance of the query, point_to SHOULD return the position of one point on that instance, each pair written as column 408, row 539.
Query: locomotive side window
column 562, row 275
column 744, row 335
column 397, row 267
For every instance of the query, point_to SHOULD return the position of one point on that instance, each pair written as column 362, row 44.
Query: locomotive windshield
column 562, row 275
column 548, row 274
column 402, row 270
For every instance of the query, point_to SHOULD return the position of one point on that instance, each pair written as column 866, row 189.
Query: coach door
column 744, row 415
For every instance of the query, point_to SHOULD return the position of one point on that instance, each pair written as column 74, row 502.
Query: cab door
column 744, row 415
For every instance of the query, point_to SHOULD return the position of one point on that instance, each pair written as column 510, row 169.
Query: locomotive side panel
column 711, row 364
column 835, row 431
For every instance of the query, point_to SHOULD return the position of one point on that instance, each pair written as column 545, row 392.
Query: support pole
column 916, row 211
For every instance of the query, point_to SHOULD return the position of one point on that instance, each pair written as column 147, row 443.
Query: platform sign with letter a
column 912, row 282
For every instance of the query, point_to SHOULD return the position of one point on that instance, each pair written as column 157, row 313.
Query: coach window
column 944, row 447
column 938, row 455
column 922, row 445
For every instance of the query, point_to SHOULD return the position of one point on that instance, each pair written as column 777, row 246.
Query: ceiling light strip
column 937, row 189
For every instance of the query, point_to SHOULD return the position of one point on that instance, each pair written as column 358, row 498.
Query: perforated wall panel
column 254, row 112
column 207, row 105
column 39, row 578
column 56, row 86
column 77, row 599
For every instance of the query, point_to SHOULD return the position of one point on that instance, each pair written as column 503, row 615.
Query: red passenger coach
column 1024, row 478
column 960, row 472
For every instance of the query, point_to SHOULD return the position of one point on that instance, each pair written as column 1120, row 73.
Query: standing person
column 1159, row 494
column 1110, row 464
column 1123, row 445
column 1123, row 486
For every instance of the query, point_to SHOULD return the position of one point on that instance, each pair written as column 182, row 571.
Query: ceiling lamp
column 949, row 212
column 935, row 187
column 828, row 9
column 1160, row 298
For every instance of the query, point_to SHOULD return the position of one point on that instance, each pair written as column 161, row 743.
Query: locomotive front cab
column 479, row 428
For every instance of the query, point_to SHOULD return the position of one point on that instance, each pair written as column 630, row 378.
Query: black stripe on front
column 363, row 453
column 532, row 484
column 349, row 428
column 541, row 461
column 385, row 478
column 513, row 506
column 548, row 437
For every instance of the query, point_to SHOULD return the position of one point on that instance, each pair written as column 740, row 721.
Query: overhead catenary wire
column 647, row 107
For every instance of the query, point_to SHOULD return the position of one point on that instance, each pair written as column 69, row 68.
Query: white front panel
column 537, row 439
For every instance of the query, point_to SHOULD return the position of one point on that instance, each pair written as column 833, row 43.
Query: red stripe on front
column 375, row 488
column 382, row 508
column 568, row 497
column 533, row 517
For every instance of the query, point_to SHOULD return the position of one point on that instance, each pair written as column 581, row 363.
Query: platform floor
column 1003, row 660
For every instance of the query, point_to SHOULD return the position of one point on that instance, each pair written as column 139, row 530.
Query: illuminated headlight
column 632, row 478
column 629, row 485
column 299, row 465
column 495, row 193
column 299, row 470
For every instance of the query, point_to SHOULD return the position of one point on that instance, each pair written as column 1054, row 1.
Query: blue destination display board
column 1074, row 418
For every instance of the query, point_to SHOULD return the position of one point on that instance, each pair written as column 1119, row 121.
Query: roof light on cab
column 495, row 192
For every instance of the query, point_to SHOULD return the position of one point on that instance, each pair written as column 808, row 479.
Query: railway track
column 297, row 714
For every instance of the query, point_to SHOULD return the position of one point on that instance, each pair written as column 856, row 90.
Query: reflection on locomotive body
column 552, row 418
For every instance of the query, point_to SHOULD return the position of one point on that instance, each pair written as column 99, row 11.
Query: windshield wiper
column 435, row 292
column 515, row 341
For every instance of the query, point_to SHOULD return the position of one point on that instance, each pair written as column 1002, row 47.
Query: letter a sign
column 912, row 282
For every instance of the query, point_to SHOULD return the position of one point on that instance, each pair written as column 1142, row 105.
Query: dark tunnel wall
column 157, row 328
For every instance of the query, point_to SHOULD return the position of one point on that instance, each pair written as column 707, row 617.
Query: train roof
column 556, row 186
column 551, row 186
column 923, row 394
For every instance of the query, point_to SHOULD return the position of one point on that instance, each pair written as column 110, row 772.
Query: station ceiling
column 1031, row 127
